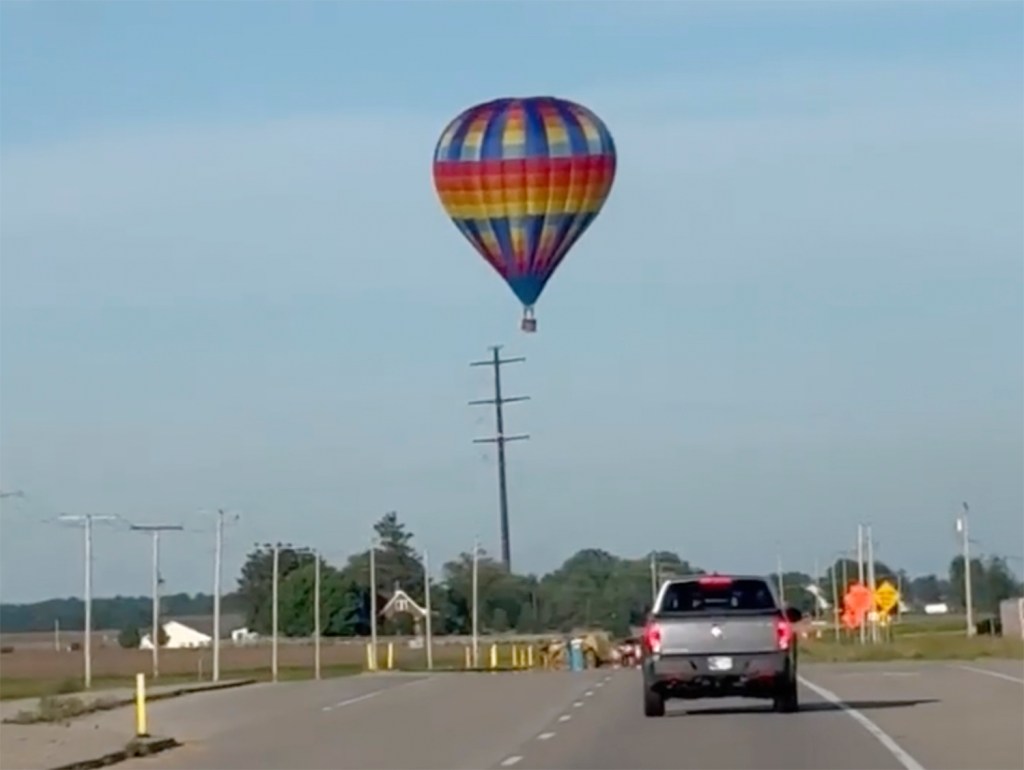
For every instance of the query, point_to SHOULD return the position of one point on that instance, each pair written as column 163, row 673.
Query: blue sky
column 226, row 281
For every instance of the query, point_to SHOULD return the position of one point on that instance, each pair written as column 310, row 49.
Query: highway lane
column 908, row 715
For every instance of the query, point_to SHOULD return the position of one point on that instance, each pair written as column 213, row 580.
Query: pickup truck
column 716, row 636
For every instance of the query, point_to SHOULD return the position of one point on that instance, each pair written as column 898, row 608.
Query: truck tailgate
column 717, row 634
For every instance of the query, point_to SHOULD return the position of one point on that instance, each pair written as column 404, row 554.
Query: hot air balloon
column 523, row 179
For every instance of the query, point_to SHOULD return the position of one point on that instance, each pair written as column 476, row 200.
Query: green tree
column 129, row 638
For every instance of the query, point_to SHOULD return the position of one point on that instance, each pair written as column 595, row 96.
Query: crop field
column 32, row 670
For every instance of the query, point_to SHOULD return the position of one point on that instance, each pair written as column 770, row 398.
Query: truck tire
column 787, row 699
column 654, row 703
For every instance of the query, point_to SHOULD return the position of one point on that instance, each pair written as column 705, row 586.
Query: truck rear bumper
column 709, row 676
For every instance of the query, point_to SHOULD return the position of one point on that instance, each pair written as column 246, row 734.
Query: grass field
column 32, row 672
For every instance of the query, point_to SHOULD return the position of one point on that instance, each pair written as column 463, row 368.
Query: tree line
column 593, row 588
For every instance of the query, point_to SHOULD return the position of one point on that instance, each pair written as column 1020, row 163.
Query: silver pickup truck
column 715, row 636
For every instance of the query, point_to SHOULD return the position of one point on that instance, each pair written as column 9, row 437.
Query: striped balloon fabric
column 523, row 179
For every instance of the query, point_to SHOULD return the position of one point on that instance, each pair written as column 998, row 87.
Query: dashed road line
column 577, row 704
column 511, row 761
column 901, row 754
column 564, row 718
column 588, row 693
column 996, row 674
column 545, row 736
column 350, row 701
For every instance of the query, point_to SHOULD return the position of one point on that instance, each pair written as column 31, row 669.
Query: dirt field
column 48, row 668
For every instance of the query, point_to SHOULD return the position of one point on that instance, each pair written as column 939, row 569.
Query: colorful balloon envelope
column 523, row 179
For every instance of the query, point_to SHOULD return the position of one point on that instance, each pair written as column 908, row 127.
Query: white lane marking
column 599, row 684
column 545, row 736
column 357, row 699
column 588, row 693
column 511, row 761
column 879, row 734
column 996, row 674
column 577, row 704
column 564, row 718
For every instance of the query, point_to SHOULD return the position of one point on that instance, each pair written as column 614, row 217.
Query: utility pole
column 496, row 362
column 782, row 586
column 429, row 620
column 316, row 607
column 817, row 585
column 88, row 519
column 217, row 556
column 835, row 602
column 873, row 618
column 154, row 530
column 316, row 615
column 373, row 602
column 962, row 528
column 654, row 578
column 476, row 601
column 860, row 576
column 275, row 579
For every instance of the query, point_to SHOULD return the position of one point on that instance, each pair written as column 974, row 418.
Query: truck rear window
column 695, row 596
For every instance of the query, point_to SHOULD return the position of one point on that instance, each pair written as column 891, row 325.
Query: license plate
column 720, row 664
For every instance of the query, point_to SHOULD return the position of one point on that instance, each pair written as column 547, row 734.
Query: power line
column 496, row 362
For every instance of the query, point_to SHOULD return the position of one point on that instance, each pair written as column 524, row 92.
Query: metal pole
column 87, row 642
column 156, row 604
column 968, row 593
column 274, row 612
column 835, row 602
column 373, row 602
column 87, row 520
column 501, row 439
column 476, row 602
column 782, row 587
column 316, row 615
column 817, row 585
column 429, row 621
column 871, row 584
column 654, row 578
column 217, row 556
column 860, row 576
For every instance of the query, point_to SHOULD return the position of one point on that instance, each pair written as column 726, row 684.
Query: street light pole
column 476, row 602
column 968, row 593
column 87, row 519
column 860, row 576
column 155, row 530
column 373, row 603
column 218, row 552
column 429, row 620
column 316, row 615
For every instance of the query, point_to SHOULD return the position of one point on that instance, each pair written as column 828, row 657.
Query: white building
column 179, row 637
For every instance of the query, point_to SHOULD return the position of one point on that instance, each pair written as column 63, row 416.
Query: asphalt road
column 863, row 716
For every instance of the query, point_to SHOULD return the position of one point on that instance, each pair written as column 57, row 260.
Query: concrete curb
column 139, row 747
column 110, row 705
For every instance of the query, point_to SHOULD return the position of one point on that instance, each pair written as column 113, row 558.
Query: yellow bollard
column 469, row 657
column 371, row 659
column 529, row 656
column 140, row 706
column 494, row 656
column 515, row 656
column 391, row 655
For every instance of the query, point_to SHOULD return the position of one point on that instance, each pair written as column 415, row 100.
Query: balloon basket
column 529, row 325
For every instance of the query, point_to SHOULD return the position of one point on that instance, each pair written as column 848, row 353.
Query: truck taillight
column 783, row 633
column 652, row 637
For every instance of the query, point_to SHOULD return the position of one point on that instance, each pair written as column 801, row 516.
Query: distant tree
column 499, row 620
column 129, row 638
column 161, row 636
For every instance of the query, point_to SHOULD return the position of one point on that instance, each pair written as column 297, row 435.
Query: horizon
column 228, row 282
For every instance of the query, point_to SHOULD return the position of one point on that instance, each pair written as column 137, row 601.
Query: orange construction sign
column 857, row 603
